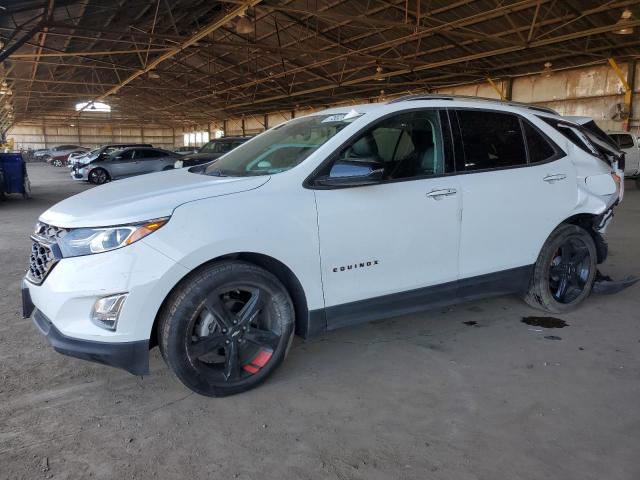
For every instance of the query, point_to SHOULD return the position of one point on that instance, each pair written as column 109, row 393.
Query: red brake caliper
column 259, row 361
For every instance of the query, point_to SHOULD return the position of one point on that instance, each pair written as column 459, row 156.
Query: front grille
column 50, row 233
column 41, row 261
column 43, row 251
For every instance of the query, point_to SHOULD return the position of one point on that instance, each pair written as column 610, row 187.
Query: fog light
column 107, row 310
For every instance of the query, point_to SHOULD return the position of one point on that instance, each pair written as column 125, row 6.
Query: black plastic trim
column 514, row 280
column 130, row 356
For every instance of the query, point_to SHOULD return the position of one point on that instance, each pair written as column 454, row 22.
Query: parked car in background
column 211, row 151
column 59, row 151
column 185, row 150
column 330, row 220
column 40, row 153
column 629, row 143
column 103, row 151
column 125, row 163
column 60, row 159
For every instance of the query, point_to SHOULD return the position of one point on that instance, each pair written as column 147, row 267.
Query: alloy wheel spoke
column 251, row 308
column 579, row 256
column 262, row 338
column 563, row 287
column 556, row 270
column 231, row 361
column 206, row 345
column 214, row 304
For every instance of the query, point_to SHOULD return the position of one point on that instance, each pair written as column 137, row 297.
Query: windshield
column 281, row 148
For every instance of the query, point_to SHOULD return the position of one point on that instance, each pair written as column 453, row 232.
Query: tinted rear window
column 491, row 140
column 539, row 148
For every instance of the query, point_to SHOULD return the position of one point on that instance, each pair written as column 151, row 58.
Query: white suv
column 337, row 218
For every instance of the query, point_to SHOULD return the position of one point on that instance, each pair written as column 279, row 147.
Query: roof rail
column 431, row 96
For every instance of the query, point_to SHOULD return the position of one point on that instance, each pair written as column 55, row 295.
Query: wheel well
column 270, row 264
column 589, row 221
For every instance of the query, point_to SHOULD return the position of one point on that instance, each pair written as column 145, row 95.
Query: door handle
column 554, row 178
column 441, row 193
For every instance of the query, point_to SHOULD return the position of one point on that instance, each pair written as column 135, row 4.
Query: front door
column 381, row 245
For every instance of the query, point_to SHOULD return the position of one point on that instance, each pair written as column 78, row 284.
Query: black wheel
column 565, row 270
column 226, row 328
column 57, row 162
column 98, row 176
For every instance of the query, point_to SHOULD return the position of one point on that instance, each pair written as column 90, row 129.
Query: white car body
column 629, row 143
column 344, row 246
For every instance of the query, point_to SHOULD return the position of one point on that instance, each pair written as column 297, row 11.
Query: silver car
column 125, row 163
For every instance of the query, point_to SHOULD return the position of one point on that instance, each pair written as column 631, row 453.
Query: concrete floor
column 422, row 396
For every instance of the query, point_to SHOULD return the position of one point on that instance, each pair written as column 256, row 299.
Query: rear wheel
column 225, row 329
column 57, row 162
column 564, row 273
column 98, row 176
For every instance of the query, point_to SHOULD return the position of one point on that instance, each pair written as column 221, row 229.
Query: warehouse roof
column 175, row 62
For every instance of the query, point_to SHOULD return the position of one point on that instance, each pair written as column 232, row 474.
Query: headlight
column 86, row 241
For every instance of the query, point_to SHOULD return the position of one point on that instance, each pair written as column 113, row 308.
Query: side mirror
column 353, row 173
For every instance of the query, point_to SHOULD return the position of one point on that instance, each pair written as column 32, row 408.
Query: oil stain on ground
column 545, row 322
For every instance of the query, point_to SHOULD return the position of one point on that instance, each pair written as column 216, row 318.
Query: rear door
column 122, row 164
column 150, row 160
column 517, row 186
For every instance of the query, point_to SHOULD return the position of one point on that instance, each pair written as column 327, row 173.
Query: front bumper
column 79, row 173
column 130, row 356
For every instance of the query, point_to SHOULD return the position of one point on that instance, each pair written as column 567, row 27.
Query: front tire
column 564, row 273
column 226, row 328
column 98, row 176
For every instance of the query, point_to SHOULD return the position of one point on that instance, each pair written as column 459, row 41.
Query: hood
column 143, row 198
column 200, row 156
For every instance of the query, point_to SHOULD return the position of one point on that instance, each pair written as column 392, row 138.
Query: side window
column 222, row 147
column 491, row 140
column 407, row 145
column 126, row 155
column 623, row 141
column 539, row 148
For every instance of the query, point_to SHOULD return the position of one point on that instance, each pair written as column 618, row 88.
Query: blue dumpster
column 14, row 174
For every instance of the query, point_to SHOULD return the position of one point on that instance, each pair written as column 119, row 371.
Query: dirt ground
column 418, row 397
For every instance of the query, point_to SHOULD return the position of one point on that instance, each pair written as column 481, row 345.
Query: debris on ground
column 604, row 284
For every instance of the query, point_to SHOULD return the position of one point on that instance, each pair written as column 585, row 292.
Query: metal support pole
column 495, row 87
column 628, row 91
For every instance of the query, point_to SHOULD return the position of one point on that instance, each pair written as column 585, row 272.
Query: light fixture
column 623, row 27
column 378, row 76
column 244, row 25
column 153, row 75
column 547, row 72
column 382, row 97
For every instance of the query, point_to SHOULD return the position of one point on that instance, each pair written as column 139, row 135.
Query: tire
column 98, row 176
column 207, row 351
column 57, row 162
column 564, row 273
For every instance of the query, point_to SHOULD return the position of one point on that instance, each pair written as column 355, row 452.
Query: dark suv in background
column 211, row 151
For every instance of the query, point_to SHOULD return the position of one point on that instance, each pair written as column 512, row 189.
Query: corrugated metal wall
column 47, row 136
column 591, row 92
